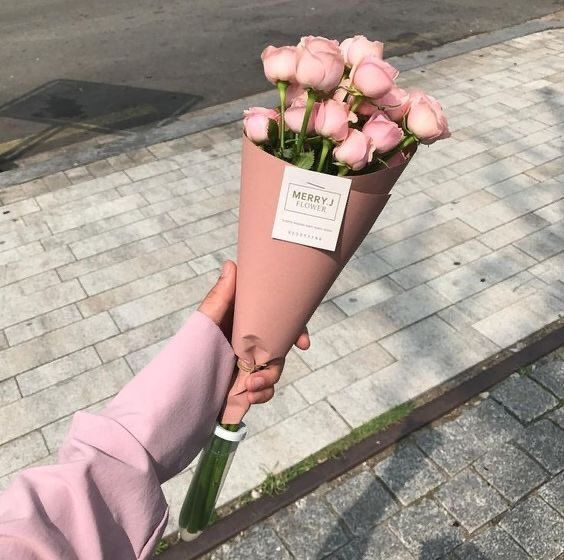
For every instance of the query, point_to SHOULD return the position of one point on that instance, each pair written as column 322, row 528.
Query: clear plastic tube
column 213, row 466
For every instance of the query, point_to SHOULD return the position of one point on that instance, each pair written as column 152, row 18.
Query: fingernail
column 258, row 383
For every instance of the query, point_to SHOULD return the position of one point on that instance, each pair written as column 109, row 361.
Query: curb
column 226, row 113
column 478, row 378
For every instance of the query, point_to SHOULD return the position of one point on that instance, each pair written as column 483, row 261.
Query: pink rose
column 293, row 91
column 426, row 118
column 395, row 103
column 255, row 123
column 279, row 64
column 294, row 115
column 332, row 120
column 356, row 151
column 384, row 133
column 356, row 48
column 373, row 77
column 320, row 64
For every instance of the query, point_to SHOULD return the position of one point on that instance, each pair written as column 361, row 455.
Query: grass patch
column 276, row 483
column 161, row 547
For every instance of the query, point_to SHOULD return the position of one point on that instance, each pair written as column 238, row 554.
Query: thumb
column 218, row 304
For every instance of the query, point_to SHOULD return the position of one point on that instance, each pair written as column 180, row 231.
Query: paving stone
column 309, row 528
column 42, row 324
column 494, row 544
column 20, row 452
column 524, row 398
column 368, row 295
column 259, row 543
column 551, row 376
column 44, row 407
column 339, row 374
column 35, row 264
column 111, row 257
column 558, row 417
column 154, row 305
column 9, row 391
column 133, row 291
column 456, row 444
column 55, row 344
column 381, row 544
column 537, row 528
column 426, row 530
column 426, row 243
column 362, row 501
column 408, row 474
column 544, row 243
column 288, row 401
column 470, row 500
column 513, row 473
column 467, row 280
column 522, row 318
column 121, row 236
column 553, row 493
column 545, row 442
column 58, row 370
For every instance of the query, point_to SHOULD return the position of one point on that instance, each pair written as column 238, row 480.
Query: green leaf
column 288, row 153
column 304, row 160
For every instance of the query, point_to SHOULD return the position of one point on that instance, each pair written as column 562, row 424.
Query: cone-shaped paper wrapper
column 279, row 283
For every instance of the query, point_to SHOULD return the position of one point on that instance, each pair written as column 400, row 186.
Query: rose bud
column 358, row 47
column 342, row 90
column 256, row 121
column 279, row 64
column 356, row 151
column 373, row 77
column 367, row 109
column 320, row 64
column 294, row 91
column 426, row 119
column 384, row 133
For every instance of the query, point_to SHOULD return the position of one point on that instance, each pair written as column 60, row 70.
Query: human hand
column 218, row 306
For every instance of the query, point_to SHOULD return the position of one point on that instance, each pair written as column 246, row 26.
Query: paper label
column 310, row 208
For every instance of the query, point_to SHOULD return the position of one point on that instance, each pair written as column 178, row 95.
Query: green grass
column 161, row 547
column 276, row 483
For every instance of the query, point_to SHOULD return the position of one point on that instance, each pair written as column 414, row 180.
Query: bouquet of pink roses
column 316, row 172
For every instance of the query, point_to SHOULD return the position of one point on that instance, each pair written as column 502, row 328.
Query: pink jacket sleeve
column 103, row 499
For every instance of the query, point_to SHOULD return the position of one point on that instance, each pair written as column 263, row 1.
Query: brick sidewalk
column 99, row 265
column 486, row 483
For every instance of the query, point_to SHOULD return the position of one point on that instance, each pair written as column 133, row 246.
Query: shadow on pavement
column 62, row 112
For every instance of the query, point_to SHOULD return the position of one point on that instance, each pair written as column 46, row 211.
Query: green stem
column 358, row 99
column 202, row 495
column 327, row 144
column 343, row 171
column 282, row 88
column 309, row 107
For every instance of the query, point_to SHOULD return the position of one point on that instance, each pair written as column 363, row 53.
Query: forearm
column 103, row 498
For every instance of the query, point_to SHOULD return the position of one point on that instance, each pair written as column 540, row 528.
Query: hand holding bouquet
column 316, row 172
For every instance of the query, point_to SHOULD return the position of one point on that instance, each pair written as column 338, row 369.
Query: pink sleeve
column 103, row 498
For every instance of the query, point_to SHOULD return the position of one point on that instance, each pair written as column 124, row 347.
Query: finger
column 218, row 304
column 261, row 396
column 303, row 342
column 264, row 378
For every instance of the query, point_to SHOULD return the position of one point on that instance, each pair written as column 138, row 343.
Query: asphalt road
column 116, row 64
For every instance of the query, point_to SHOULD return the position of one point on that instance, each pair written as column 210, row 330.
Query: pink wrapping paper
column 280, row 284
